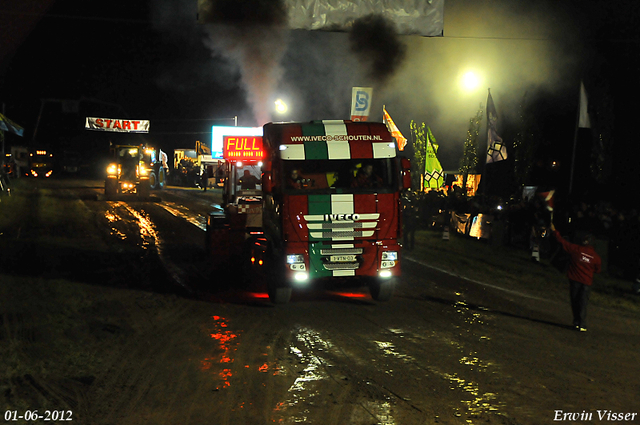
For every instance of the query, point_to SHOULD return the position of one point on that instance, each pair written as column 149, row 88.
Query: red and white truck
column 327, row 207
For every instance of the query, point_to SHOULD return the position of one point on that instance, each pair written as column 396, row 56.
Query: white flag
column 583, row 118
column 361, row 103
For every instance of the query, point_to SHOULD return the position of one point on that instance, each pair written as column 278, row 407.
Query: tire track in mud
column 119, row 391
column 441, row 360
column 327, row 387
column 125, row 220
column 124, row 387
column 400, row 374
column 250, row 375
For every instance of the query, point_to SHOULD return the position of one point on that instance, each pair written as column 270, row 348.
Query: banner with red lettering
column 118, row 125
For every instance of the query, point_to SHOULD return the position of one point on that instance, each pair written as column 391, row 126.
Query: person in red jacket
column 584, row 262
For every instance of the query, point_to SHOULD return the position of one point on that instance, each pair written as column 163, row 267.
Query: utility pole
column 2, row 137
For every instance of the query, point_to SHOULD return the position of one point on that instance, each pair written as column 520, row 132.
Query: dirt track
column 110, row 311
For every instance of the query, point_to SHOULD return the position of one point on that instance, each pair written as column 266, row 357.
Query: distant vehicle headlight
column 112, row 169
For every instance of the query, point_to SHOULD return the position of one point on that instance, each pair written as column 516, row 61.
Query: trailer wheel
column 382, row 290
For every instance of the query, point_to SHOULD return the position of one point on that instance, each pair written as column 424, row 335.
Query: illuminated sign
column 219, row 131
column 122, row 126
column 243, row 148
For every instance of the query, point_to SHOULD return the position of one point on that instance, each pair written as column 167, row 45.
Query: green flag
column 432, row 169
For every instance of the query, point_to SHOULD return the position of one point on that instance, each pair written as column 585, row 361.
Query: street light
column 281, row 107
column 470, row 81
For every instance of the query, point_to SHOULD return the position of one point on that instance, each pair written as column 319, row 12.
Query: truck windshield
column 343, row 175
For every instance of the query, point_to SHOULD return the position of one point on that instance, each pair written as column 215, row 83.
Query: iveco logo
column 334, row 217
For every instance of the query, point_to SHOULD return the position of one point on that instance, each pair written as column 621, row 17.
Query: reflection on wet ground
column 113, row 218
column 304, row 393
column 389, row 350
column 183, row 212
column 228, row 341
column 148, row 232
column 474, row 401
column 149, row 235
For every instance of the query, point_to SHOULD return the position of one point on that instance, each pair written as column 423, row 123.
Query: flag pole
column 575, row 143
column 484, row 166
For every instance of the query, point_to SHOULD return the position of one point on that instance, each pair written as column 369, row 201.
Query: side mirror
column 267, row 177
column 406, row 173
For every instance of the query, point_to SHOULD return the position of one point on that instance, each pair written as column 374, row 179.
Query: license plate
column 342, row 258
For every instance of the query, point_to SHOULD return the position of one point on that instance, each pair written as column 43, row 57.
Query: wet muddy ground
column 110, row 312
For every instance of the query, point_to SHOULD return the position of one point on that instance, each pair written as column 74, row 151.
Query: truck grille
column 355, row 226
column 341, row 266
column 340, row 235
column 341, row 251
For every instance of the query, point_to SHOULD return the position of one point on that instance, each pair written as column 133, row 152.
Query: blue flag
column 7, row 125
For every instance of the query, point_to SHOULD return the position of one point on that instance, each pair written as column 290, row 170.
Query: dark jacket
column 584, row 261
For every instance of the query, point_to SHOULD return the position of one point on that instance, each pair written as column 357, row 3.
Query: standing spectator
column 583, row 263
column 219, row 175
column 204, row 178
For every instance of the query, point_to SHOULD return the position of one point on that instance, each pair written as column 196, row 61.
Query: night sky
column 152, row 60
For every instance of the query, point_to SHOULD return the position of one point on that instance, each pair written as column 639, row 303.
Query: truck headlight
column 296, row 263
column 388, row 259
column 295, row 258
column 389, row 256
column 144, row 171
column 301, row 277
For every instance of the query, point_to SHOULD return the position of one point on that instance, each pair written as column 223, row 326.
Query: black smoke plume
column 376, row 43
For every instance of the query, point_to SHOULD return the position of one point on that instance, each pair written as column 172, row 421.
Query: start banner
column 118, row 125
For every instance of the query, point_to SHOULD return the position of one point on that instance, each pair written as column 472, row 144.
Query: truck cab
column 40, row 162
column 330, row 207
